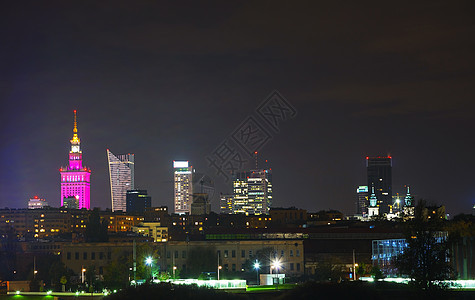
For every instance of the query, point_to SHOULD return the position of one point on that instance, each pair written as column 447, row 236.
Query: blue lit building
column 384, row 251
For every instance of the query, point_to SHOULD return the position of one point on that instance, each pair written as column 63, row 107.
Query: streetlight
column 174, row 269
column 276, row 264
column 256, row 267
column 149, row 262
column 219, row 268
column 82, row 274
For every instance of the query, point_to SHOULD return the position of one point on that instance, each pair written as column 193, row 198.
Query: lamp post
column 257, row 266
column 276, row 265
column 83, row 270
column 149, row 262
column 174, row 269
column 219, row 268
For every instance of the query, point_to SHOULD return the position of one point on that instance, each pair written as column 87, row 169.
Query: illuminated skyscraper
column 380, row 176
column 76, row 179
column 252, row 192
column 183, row 179
column 121, row 174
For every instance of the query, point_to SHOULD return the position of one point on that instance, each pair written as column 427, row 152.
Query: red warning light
column 74, row 111
column 36, row 197
column 255, row 152
column 367, row 157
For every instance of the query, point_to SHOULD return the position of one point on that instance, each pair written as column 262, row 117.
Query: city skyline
column 172, row 82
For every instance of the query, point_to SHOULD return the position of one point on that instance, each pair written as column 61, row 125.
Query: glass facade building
column 384, row 251
column 121, row 175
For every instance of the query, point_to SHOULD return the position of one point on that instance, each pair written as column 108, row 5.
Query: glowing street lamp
column 149, row 262
column 174, row 269
column 219, row 268
column 276, row 264
column 82, row 274
column 256, row 267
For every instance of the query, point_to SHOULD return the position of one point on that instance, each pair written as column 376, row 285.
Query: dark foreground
column 310, row 290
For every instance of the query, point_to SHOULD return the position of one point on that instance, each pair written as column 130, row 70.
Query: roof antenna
column 255, row 157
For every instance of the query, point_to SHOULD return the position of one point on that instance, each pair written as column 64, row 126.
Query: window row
column 85, row 255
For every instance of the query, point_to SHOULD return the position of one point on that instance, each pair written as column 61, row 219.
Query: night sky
column 171, row 81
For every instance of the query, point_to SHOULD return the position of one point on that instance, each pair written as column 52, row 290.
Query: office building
column 379, row 171
column 154, row 230
column 75, row 178
column 36, row 203
column 226, row 203
column 252, row 192
column 183, row 186
column 362, row 198
column 138, row 201
column 121, row 175
column 71, row 202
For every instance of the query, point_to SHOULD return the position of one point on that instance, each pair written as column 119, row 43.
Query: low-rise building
column 152, row 229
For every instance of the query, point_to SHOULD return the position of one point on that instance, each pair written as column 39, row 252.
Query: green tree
column 363, row 269
column 426, row 259
column 116, row 273
column 96, row 230
column 201, row 259
column 376, row 273
column 119, row 272
column 329, row 270
column 56, row 273
column 63, row 282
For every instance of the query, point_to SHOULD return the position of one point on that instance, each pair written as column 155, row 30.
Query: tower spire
column 75, row 141
column 75, row 129
column 372, row 199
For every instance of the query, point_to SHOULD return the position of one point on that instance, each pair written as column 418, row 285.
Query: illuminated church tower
column 75, row 179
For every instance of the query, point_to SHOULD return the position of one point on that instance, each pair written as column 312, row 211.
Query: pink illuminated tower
column 75, row 179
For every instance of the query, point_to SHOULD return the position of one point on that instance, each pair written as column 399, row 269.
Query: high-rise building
column 121, row 174
column 226, row 202
column 252, row 192
column 37, row 203
column 362, row 198
column 379, row 170
column 183, row 179
column 138, row 201
column 76, row 179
